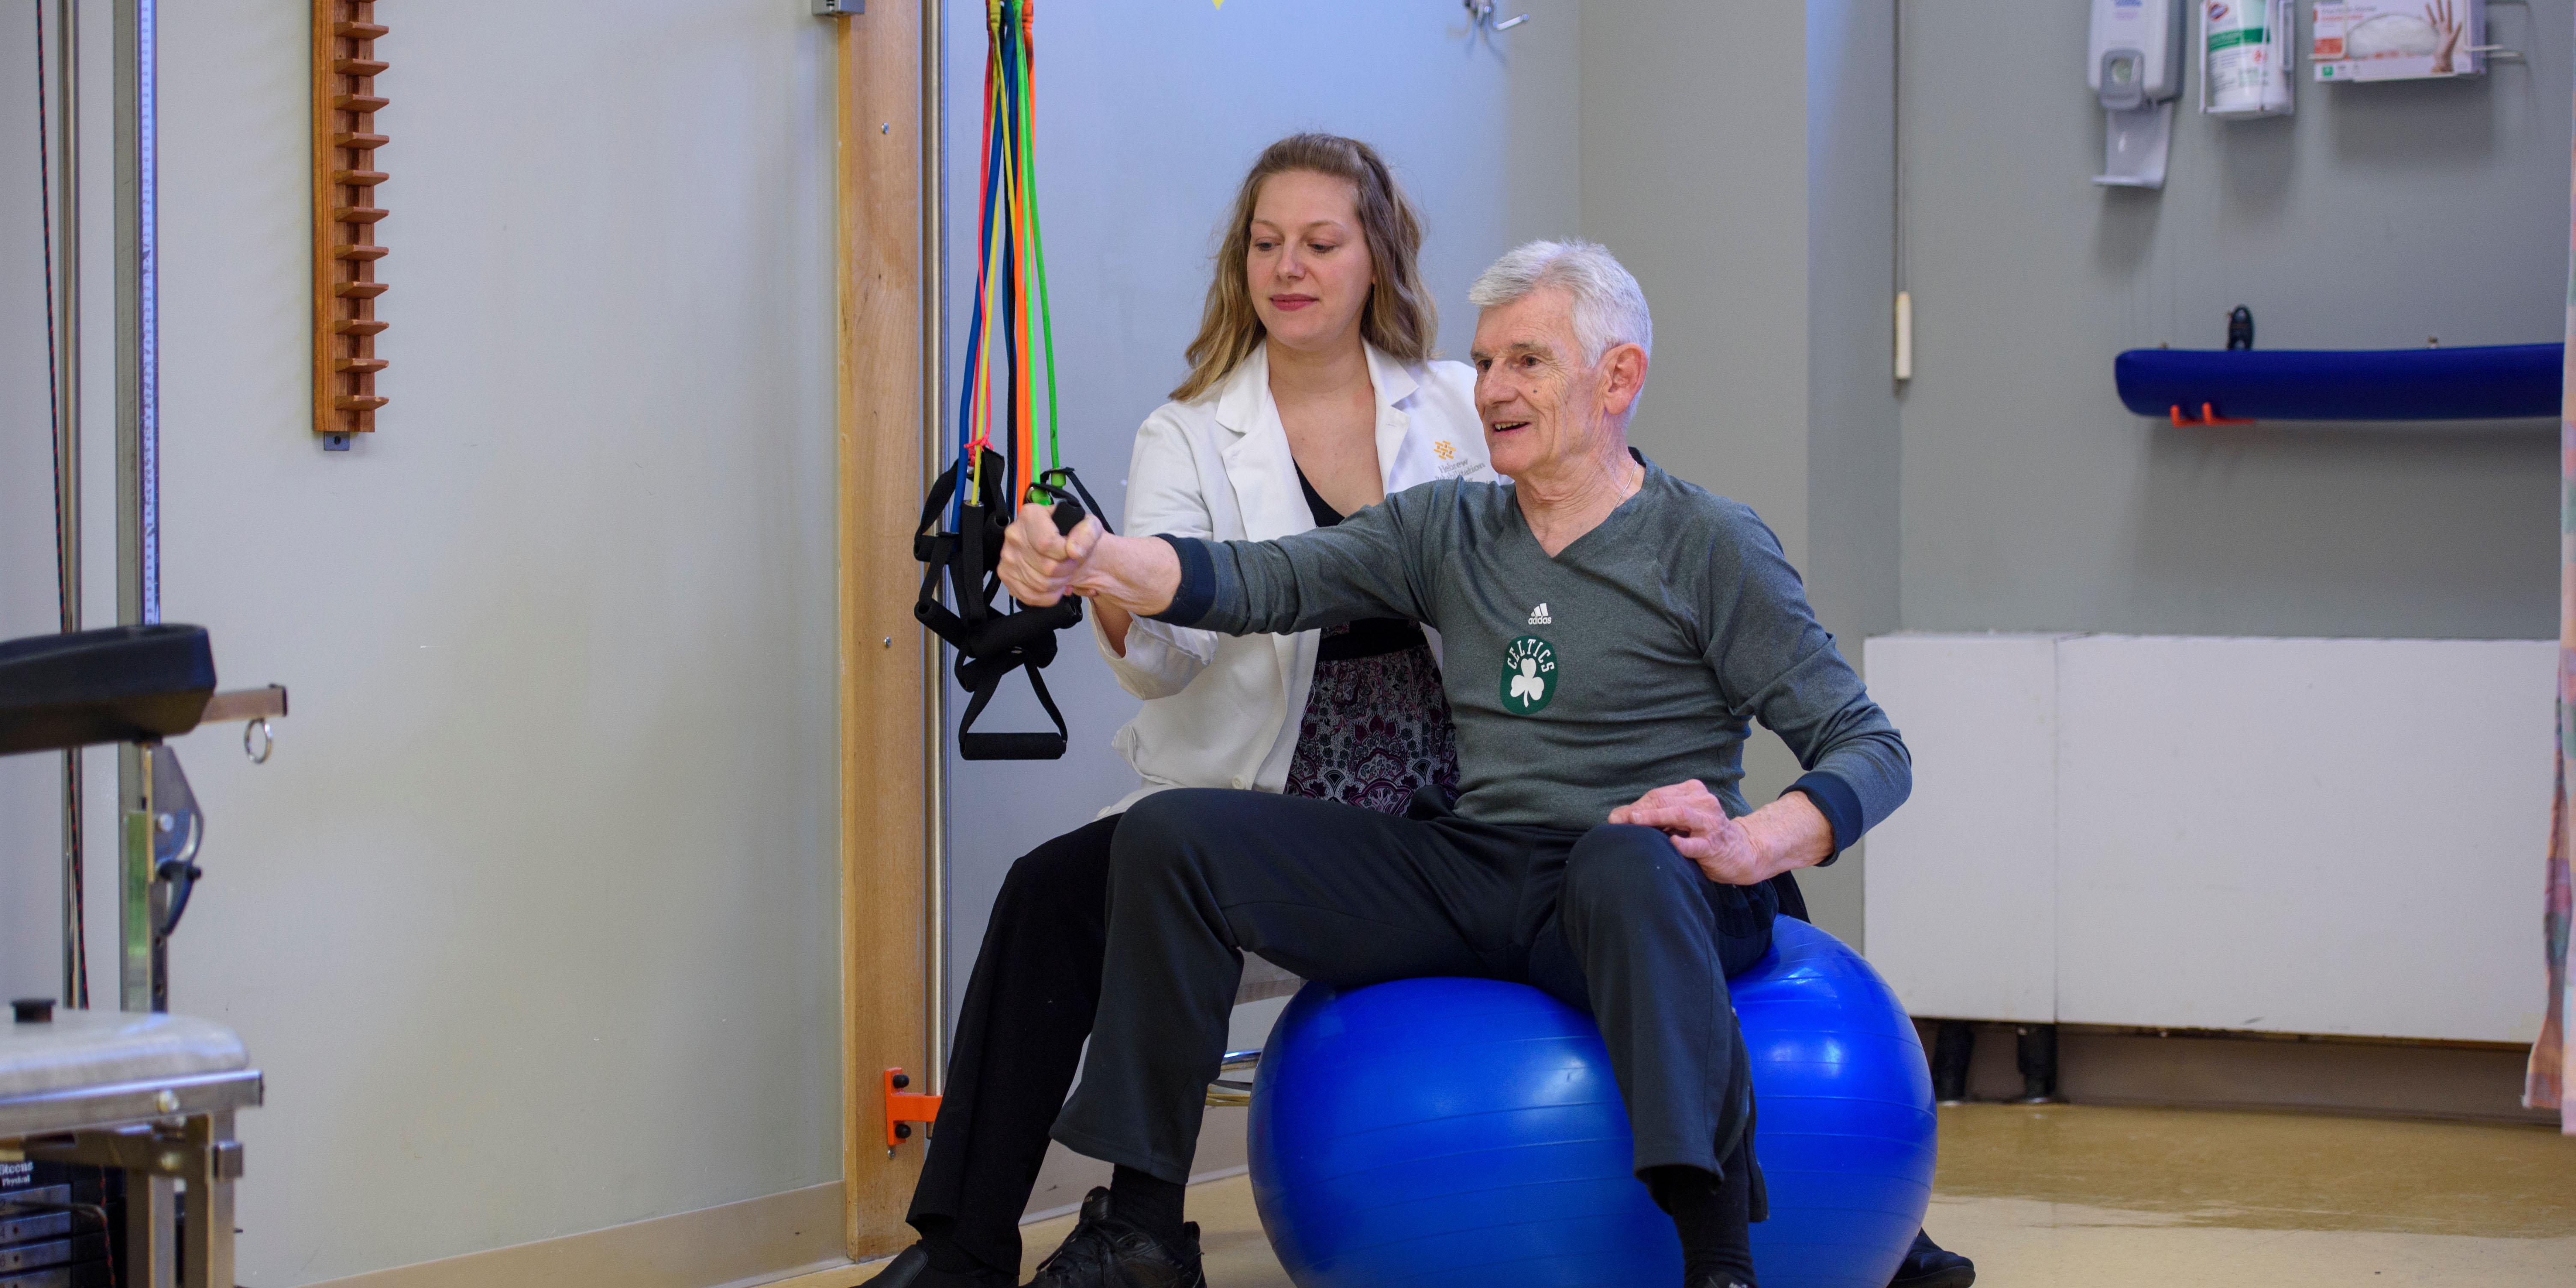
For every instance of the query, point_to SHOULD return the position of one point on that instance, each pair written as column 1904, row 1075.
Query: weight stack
column 58, row 1222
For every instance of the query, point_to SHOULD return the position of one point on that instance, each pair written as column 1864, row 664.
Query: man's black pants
column 1612, row 919
column 1029, row 1005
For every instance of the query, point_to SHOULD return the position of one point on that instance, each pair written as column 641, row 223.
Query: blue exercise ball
column 1467, row 1133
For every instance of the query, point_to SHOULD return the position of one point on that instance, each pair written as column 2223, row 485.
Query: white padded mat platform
column 2314, row 836
column 107, row 1048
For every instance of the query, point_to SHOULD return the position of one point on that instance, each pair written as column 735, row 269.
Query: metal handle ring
column 258, row 740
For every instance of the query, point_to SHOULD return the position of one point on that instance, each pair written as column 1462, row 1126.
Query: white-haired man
column 1609, row 633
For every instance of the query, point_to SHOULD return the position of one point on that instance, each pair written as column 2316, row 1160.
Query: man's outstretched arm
column 1361, row 567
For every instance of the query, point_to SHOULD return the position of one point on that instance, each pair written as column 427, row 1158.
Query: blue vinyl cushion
column 2488, row 382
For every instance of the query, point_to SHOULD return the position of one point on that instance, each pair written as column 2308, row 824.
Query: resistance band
column 975, row 493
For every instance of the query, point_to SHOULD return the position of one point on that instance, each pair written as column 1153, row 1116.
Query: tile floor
column 2114, row 1198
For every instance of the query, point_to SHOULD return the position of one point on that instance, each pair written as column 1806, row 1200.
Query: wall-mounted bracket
column 839, row 8
column 903, row 1109
column 2208, row 416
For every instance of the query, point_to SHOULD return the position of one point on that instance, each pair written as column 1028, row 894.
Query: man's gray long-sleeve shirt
column 1634, row 658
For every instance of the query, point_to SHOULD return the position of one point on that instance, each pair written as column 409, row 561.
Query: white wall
column 531, row 920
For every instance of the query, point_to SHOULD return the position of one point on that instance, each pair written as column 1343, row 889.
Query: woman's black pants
column 1029, row 1006
column 1019, row 1039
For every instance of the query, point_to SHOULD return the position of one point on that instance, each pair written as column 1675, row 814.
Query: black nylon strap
column 990, row 644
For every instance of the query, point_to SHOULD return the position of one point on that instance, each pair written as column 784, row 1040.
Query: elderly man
column 1609, row 633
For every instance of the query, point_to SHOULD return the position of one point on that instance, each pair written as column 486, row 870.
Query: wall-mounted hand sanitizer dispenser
column 2135, row 66
column 2248, row 49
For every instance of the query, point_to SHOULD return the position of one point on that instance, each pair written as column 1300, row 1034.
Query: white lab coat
column 1222, row 710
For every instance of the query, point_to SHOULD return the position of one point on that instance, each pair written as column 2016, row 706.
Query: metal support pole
column 213, row 1163
column 1954, row 1049
column 138, row 467
column 138, row 438
column 934, row 437
column 2035, row 1054
column 66, row 277
column 143, row 903
column 151, row 1252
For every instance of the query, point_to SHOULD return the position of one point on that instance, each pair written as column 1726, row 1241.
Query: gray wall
column 1853, row 449
column 2006, row 488
column 531, row 920
column 2374, row 217
column 1752, row 205
column 1149, row 115
column 1852, row 431
column 1696, row 178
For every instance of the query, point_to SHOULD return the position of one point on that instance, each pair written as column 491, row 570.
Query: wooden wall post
column 886, row 777
column 345, row 211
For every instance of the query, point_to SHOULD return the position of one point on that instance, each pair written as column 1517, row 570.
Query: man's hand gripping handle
column 1042, row 562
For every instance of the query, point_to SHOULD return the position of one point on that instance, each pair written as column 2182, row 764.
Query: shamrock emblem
column 1527, row 685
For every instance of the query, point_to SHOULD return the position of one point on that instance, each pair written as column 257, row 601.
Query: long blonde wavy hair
column 1399, row 317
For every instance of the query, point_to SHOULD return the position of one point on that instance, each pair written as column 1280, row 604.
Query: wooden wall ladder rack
column 346, row 210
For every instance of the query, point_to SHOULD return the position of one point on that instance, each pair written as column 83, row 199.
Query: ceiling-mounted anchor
column 1480, row 13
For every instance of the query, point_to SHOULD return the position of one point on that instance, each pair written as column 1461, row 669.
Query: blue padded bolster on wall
column 2481, row 383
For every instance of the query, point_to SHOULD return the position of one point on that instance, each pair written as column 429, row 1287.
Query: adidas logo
column 1539, row 617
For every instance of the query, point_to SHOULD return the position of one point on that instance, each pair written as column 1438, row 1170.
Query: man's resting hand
column 1040, row 565
column 1785, row 834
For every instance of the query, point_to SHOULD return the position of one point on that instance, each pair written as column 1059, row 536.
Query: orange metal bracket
column 2208, row 416
column 903, row 1109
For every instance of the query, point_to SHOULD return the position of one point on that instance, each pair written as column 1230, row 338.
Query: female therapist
column 1311, row 394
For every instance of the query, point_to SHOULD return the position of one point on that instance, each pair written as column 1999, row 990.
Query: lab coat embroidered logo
column 1539, row 617
column 1529, row 676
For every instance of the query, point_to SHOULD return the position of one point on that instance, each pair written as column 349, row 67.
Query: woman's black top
column 1369, row 636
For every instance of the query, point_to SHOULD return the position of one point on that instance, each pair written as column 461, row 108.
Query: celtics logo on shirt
column 1529, row 676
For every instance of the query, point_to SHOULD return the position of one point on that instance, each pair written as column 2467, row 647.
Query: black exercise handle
column 1069, row 510
column 182, row 877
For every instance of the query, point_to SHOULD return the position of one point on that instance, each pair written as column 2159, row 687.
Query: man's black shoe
column 1927, row 1265
column 912, row 1269
column 1105, row 1252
